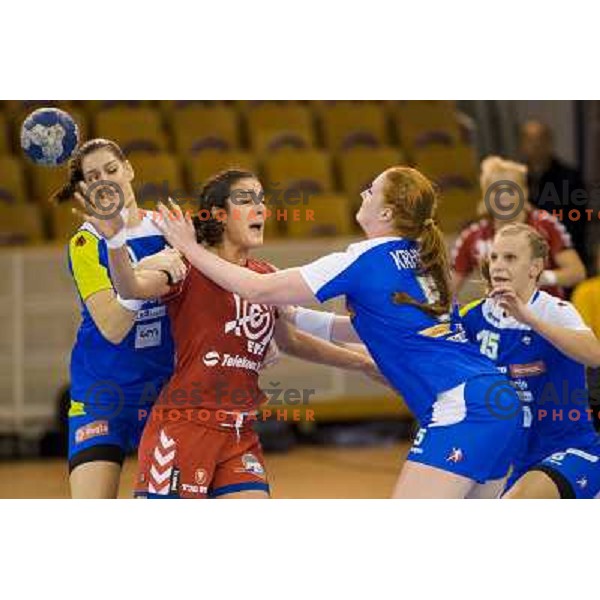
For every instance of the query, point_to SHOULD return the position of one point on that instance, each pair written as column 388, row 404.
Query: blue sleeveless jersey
column 551, row 386
column 133, row 371
column 420, row 355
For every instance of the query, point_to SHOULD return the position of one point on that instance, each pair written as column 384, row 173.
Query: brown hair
column 214, row 194
column 414, row 202
column 67, row 191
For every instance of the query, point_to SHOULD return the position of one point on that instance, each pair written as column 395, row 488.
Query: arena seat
column 423, row 123
column 198, row 128
column 308, row 170
column 12, row 181
column 455, row 171
column 449, row 166
column 157, row 176
column 63, row 223
column 5, row 145
column 20, row 224
column 134, row 129
column 322, row 215
column 273, row 127
column 359, row 166
column 349, row 124
column 46, row 181
column 208, row 163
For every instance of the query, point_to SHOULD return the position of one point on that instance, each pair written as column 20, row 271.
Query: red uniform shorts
column 194, row 457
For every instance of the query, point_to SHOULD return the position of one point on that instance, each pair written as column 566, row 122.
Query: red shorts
column 191, row 458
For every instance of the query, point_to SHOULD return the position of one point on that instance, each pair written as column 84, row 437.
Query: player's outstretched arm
column 129, row 283
column 282, row 287
column 581, row 346
column 307, row 347
column 569, row 336
column 327, row 326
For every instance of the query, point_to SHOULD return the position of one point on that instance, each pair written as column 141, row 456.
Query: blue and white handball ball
column 49, row 136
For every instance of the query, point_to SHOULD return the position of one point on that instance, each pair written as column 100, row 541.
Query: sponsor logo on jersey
column 582, row 482
column 213, row 358
column 253, row 321
column 148, row 335
column 528, row 369
column 153, row 312
column 526, row 339
column 200, row 476
column 455, row 456
column 91, row 430
column 252, row 465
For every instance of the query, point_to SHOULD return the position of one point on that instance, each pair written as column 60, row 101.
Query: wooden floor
column 305, row 472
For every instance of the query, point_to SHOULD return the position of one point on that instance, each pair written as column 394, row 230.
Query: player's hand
column 177, row 228
column 507, row 299
column 100, row 211
column 168, row 260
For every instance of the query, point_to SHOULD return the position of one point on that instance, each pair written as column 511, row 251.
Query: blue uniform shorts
column 474, row 430
column 575, row 471
column 103, row 433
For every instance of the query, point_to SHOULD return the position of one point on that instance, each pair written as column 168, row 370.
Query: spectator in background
column 586, row 299
column 553, row 185
column 564, row 268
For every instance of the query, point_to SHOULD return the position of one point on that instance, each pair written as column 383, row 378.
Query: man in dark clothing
column 553, row 185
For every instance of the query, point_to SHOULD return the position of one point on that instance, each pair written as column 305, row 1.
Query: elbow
column 576, row 274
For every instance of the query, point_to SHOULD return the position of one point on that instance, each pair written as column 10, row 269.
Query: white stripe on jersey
column 545, row 306
column 146, row 228
column 319, row 273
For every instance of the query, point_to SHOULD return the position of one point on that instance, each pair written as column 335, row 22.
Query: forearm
column 131, row 283
column 343, row 331
column 563, row 276
column 581, row 346
column 307, row 347
column 113, row 320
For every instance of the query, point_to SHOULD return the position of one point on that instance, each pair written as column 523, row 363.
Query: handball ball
column 49, row 136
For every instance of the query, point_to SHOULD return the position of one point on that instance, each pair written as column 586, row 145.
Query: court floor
column 305, row 472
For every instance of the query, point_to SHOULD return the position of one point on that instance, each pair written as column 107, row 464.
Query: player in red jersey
column 564, row 268
column 199, row 441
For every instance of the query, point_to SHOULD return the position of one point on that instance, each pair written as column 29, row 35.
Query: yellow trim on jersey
column 76, row 409
column 90, row 276
column 436, row 331
column 469, row 307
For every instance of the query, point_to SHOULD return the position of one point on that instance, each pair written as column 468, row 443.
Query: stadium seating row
column 192, row 128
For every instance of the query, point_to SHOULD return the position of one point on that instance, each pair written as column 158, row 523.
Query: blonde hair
column 493, row 168
column 537, row 243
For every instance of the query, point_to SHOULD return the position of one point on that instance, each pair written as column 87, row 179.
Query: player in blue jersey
column 542, row 344
column 123, row 352
column 396, row 284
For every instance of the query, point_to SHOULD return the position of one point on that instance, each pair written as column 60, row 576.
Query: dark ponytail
column 213, row 195
column 67, row 191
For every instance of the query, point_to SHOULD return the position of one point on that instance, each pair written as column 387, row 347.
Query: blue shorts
column 469, row 434
column 575, row 472
column 98, row 433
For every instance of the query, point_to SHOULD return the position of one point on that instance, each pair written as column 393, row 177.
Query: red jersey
column 475, row 241
column 220, row 343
